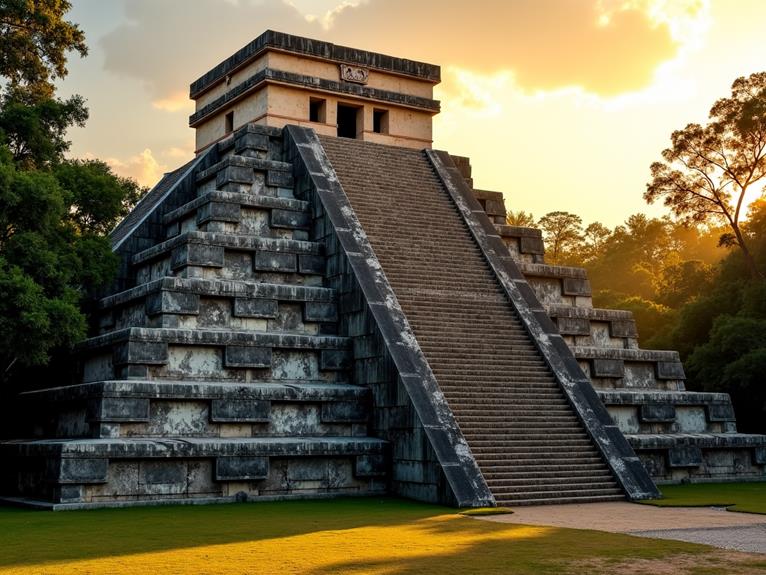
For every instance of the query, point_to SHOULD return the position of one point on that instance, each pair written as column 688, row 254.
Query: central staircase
column 527, row 440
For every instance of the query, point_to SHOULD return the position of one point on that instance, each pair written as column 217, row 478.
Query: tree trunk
column 755, row 273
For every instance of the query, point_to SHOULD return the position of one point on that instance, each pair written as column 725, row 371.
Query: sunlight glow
column 376, row 550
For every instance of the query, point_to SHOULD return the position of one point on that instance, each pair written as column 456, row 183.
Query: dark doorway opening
column 380, row 121
column 317, row 110
column 347, row 121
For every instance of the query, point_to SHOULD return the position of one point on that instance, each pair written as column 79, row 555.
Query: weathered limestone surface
column 679, row 435
column 217, row 372
column 254, row 348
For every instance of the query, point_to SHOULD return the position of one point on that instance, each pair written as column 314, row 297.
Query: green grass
column 483, row 511
column 347, row 536
column 744, row 497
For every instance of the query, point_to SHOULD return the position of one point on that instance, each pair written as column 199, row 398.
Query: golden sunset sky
column 560, row 104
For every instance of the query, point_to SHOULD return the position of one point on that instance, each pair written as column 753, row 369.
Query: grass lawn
column 353, row 536
column 745, row 497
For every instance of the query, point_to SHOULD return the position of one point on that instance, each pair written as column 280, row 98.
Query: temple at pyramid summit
column 319, row 304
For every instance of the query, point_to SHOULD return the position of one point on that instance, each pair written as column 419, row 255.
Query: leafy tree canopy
column 34, row 40
column 53, row 252
column 707, row 173
column 562, row 232
column 54, row 213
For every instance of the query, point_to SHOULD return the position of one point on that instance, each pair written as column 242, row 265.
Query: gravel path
column 707, row 525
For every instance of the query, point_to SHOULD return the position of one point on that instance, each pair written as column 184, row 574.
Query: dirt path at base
column 706, row 525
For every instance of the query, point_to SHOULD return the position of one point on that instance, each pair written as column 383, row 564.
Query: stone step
column 466, row 327
column 232, row 200
column 482, row 445
column 560, row 500
column 200, row 409
column 167, row 354
column 511, row 487
column 538, row 462
column 566, row 473
column 528, row 452
column 198, row 469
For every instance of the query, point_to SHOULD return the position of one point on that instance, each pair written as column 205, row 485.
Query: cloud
column 143, row 167
column 169, row 44
column 605, row 47
column 176, row 102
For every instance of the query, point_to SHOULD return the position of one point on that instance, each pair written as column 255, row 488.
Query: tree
column 34, row 40
column 53, row 253
column 34, row 129
column 707, row 172
column 594, row 240
column 520, row 219
column 561, row 231
column 54, row 213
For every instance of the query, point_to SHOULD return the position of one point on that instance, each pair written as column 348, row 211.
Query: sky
column 560, row 104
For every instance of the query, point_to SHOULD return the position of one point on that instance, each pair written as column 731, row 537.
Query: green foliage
column 53, row 253
column 97, row 197
column 708, row 170
column 35, row 131
column 734, row 360
column 54, row 213
column 521, row 219
column 34, row 40
column 682, row 282
column 562, row 233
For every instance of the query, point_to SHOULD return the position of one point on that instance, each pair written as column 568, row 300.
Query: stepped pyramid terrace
column 320, row 304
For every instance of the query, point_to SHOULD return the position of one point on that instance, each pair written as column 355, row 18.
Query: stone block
column 247, row 356
column 307, row 469
column 234, row 174
column 132, row 372
column 218, row 211
column 573, row 325
column 311, row 264
column 240, row 410
column 172, row 302
column 81, row 470
column 247, row 307
column 334, row 359
column 117, row 409
column 528, row 245
column 241, row 468
column 275, row 261
column 290, row 219
column 70, row 493
column 142, row 352
column 320, row 311
column 279, row 179
column 658, row 413
column 371, row 465
column 250, row 141
column 720, row 412
column 576, row 286
column 759, row 455
column 162, row 472
column 623, row 328
column 685, row 456
column 608, row 368
column 344, row 412
column 670, row 370
column 494, row 207
column 197, row 255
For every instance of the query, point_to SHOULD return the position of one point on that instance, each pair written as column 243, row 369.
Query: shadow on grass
column 317, row 537
column 33, row 537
